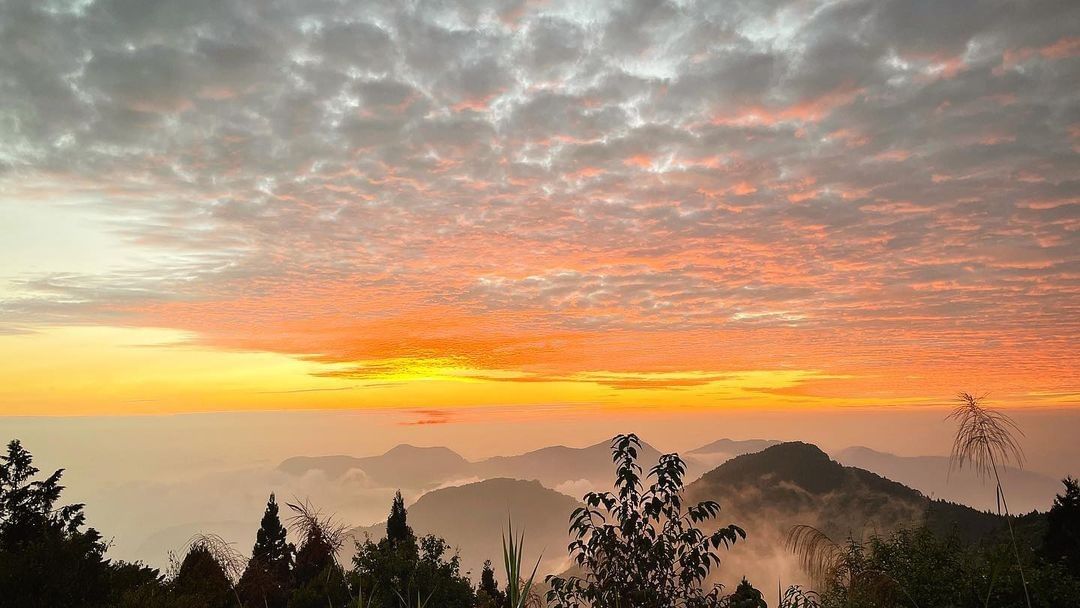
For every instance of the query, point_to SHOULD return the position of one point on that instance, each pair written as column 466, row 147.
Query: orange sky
column 554, row 205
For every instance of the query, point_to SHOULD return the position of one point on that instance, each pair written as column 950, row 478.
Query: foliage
column 517, row 588
column 797, row 597
column 397, row 525
column 266, row 580
column 318, row 578
column 1062, row 541
column 917, row 568
column 46, row 559
column 401, row 570
column 489, row 588
column 635, row 547
column 202, row 580
column 746, row 596
column 640, row 547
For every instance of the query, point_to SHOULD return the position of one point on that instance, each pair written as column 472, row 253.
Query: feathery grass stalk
column 985, row 442
column 310, row 523
column 819, row 555
column 826, row 563
column 231, row 561
column 517, row 589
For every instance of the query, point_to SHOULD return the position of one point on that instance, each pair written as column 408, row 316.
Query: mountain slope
column 734, row 447
column 930, row 475
column 766, row 493
column 572, row 470
column 798, row 480
column 769, row 492
column 473, row 519
column 720, row 451
column 404, row 466
column 556, row 465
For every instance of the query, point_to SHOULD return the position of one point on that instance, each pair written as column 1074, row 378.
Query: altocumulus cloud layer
column 862, row 187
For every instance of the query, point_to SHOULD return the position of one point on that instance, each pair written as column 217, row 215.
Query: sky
column 435, row 207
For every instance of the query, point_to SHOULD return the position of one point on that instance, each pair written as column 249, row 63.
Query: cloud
column 856, row 185
column 426, row 417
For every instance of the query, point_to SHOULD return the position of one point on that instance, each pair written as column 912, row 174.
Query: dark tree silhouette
column 490, row 587
column 1062, row 542
column 45, row 559
column 401, row 570
column 266, row 580
column 639, row 547
column 319, row 579
column 397, row 525
column 746, row 596
column 202, row 581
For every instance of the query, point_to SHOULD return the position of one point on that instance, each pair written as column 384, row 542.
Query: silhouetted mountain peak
column 734, row 446
column 405, row 450
column 863, row 450
column 802, row 464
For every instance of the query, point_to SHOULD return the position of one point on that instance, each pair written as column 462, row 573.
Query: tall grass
column 406, row 602
column 517, row 589
column 820, row 557
column 986, row 441
column 230, row 560
column 829, row 563
column 311, row 524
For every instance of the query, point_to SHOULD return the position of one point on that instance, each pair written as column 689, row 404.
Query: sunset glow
column 361, row 207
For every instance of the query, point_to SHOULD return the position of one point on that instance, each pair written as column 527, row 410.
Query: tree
column 202, row 579
column 490, row 587
column 266, row 580
column 320, row 580
column 640, row 547
column 1062, row 542
column 45, row 558
column 913, row 568
column 746, row 596
column 401, row 570
column 397, row 525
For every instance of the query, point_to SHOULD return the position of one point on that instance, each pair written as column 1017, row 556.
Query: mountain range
column 473, row 518
column 765, row 492
column 931, row 475
column 573, row 470
column 420, row 468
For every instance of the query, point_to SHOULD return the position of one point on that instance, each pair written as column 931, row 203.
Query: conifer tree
column 1062, row 543
column 201, row 580
column 272, row 547
column 490, row 587
column 397, row 526
column 46, row 558
column 267, row 579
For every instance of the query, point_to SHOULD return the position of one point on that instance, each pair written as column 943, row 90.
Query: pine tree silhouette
column 267, row 579
column 272, row 548
column 489, row 586
column 397, row 525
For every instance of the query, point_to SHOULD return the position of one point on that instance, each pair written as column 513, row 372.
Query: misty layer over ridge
column 817, row 202
column 155, row 503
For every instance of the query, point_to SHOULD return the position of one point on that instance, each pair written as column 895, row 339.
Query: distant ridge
column 405, row 466
column 930, row 475
column 798, row 483
column 765, row 492
column 413, row 467
column 734, row 447
column 473, row 517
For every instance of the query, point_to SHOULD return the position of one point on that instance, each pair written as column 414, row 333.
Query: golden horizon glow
column 116, row 371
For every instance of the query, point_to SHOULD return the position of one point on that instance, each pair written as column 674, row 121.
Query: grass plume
column 986, row 441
